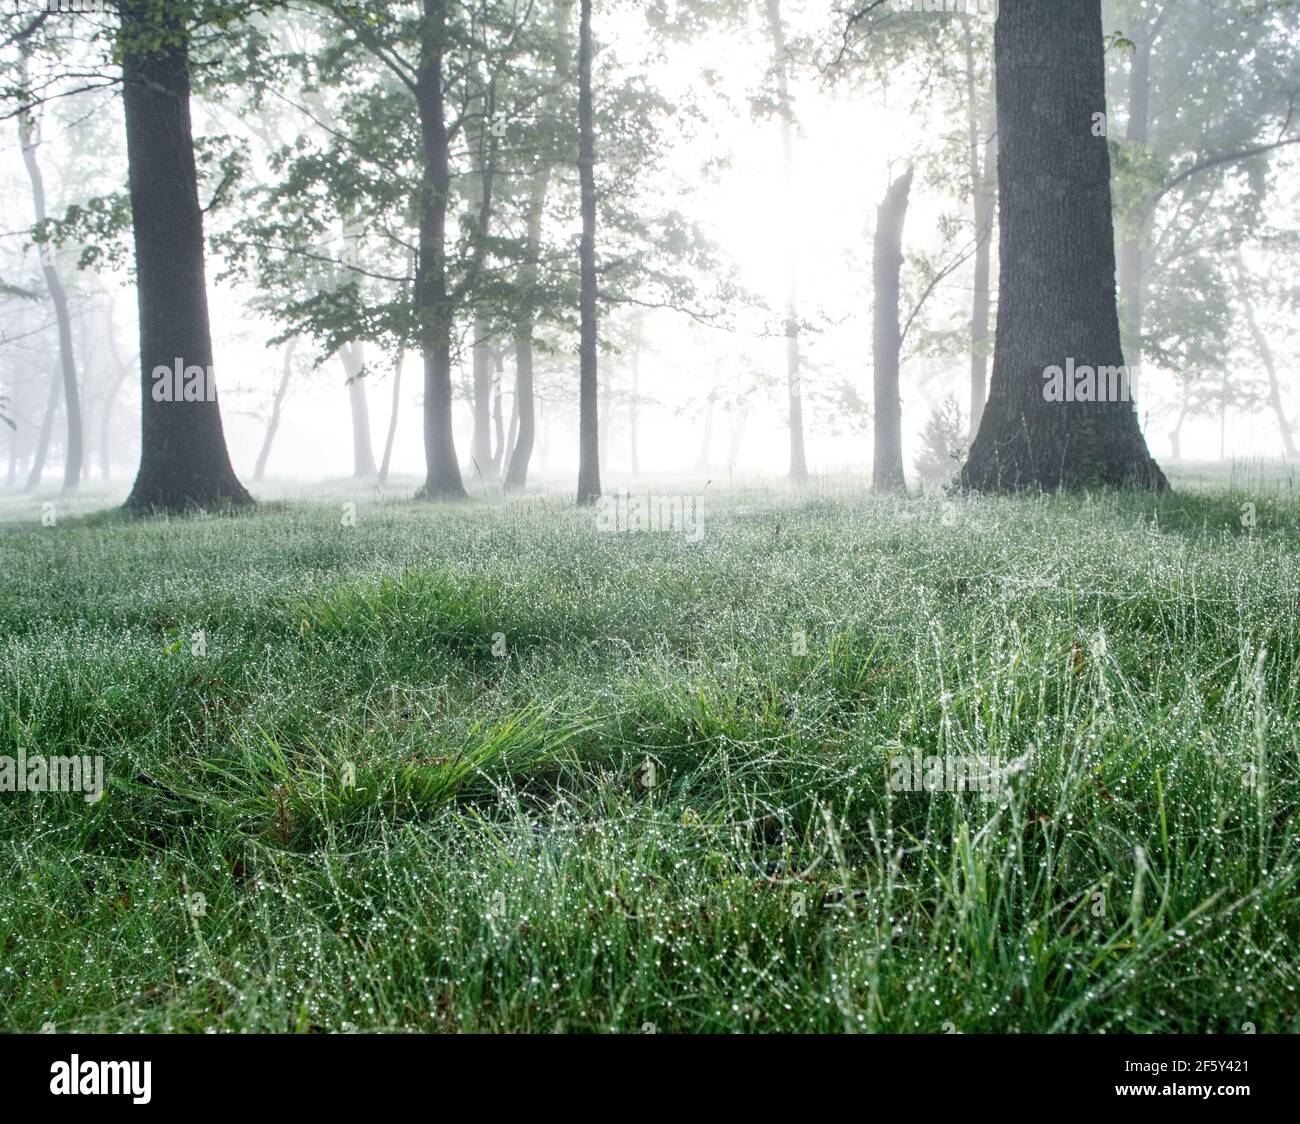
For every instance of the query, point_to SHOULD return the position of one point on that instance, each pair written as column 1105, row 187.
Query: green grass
column 502, row 861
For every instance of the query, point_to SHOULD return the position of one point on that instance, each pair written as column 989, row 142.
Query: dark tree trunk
column 794, row 388
column 1057, row 258
column 588, row 436
column 353, row 356
column 433, row 304
column 1132, row 255
column 183, row 458
column 886, row 335
column 67, row 362
column 273, row 425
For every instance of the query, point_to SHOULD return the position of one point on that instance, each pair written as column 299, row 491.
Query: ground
column 488, row 767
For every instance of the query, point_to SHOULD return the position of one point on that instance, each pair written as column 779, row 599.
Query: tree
column 887, row 261
column 29, row 139
column 183, row 458
column 588, row 406
column 1057, row 299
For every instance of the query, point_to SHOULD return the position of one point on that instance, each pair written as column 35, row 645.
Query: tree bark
column 886, row 335
column 67, row 362
column 521, row 450
column 1057, row 257
column 353, row 356
column 433, row 305
column 184, row 462
column 273, row 425
column 794, row 388
column 588, row 435
column 1132, row 255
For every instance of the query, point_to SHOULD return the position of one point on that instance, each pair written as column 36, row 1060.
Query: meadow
column 483, row 767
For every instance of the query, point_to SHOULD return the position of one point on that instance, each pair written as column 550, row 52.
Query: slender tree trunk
column 886, row 335
column 521, row 449
column 121, row 370
column 706, row 438
column 983, row 206
column 67, row 362
column 1266, row 357
column 512, row 433
column 397, row 387
column 183, row 458
column 1056, row 250
column 433, row 304
column 588, row 436
column 353, row 356
column 794, row 388
column 1132, row 255
column 42, row 450
column 1176, row 434
column 498, row 427
column 633, row 408
column 273, row 425
column 480, row 449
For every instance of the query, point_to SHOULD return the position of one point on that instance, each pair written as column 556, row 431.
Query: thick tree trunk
column 67, row 362
column 183, row 458
column 588, row 437
column 273, row 425
column 886, row 335
column 353, row 356
column 794, row 388
column 1270, row 367
column 42, row 449
column 1056, row 251
column 433, row 304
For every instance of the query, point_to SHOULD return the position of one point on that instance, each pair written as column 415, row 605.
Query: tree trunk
column 183, row 458
column 353, row 356
column 397, row 387
column 68, row 367
column 1176, row 434
column 1132, row 256
column 1266, row 357
column 433, row 305
column 983, row 204
column 1057, row 257
column 480, row 449
column 498, row 428
column 706, row 438
column 521, row 448
column 588, row 437
column 273, row 425
column 886, row 335
column 794, row 389
column 42, row 449
column 633, row 420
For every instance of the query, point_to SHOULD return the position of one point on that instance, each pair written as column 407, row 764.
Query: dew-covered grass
column 484, row 767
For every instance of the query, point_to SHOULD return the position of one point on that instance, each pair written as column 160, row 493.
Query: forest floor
column 491, row 767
